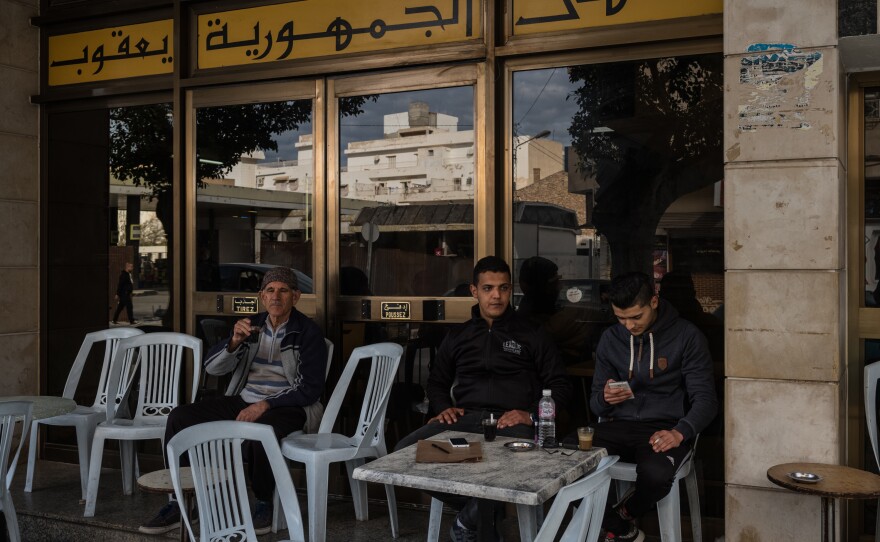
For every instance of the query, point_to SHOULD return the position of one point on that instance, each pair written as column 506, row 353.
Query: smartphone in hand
column 622, row 385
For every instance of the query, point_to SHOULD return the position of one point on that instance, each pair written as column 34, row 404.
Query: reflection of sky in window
column 286, row 142
column 540, row 103
column 454, row 101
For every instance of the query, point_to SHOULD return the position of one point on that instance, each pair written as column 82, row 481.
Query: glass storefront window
column 872, row 197
column 141, row 170
column 618, row 167
column 255, row 195
column 407, row 192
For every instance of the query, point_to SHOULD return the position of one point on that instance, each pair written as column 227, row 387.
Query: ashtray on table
column 520, row 446
column 805, row 477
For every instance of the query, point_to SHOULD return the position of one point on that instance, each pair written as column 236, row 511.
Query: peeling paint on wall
column 782, row 80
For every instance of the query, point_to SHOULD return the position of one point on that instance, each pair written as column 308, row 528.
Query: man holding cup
column 493, row 366
column 277, row 359
column 653, row 392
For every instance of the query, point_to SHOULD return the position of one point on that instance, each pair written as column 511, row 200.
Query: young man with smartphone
column 653, row 392
column 495, row 363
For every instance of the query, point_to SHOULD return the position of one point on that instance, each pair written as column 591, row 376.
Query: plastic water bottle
column 546, row 419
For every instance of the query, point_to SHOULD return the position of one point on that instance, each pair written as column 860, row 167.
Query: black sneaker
column 633, row 535
column 460, row 533
column 262, row 517
column 166, row 520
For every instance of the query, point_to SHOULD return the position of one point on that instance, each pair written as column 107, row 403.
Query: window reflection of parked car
column 247, row 277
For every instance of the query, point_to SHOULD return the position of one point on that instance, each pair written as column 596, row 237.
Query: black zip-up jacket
column 682, row 390
column 501, row 368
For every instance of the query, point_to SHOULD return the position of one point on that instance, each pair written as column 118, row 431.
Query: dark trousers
column 655, row 471
column 471, row 422
column 284, row 420
column 124, row 303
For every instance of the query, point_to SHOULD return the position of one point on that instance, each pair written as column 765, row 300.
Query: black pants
column 471, row 422
column 124, row 303
column 655, row 471
column 284, row 420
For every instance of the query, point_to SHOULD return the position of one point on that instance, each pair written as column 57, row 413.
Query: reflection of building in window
column 536, row 159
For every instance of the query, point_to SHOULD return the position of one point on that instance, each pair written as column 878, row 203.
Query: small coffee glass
column 585, row 438
column 490, row 428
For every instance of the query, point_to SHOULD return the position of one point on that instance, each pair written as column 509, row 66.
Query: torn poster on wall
column 782, row 80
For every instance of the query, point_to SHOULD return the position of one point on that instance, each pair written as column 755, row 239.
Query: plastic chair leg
column 669, row 515
column 32, row 457
column 528, row 521
column 435, row 520
column 126, row 457
column 316, row 481
column 94, row 475
column 11, row 518
column 358, row 490
column 84, row 435
column 392, row 509
column 693, row 493
column 278, row 521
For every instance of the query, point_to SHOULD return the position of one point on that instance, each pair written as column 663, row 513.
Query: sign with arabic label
column 244, row 305
column 112, row 53
column 537, row 16
column 313, row 28
column 395, row 310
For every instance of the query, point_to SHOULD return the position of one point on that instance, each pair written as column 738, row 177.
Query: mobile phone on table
column 458, row 442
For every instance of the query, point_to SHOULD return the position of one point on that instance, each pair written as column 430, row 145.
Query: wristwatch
column 534, row 418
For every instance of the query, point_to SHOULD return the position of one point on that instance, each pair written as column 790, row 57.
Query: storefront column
column 784, row 253
column 19, row 195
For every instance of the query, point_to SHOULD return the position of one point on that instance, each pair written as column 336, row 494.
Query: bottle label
column 546, row 411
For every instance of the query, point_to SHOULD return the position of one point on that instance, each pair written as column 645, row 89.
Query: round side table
column 160, row 482
column 838, row 482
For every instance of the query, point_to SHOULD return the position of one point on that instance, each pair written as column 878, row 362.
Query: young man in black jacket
column 670, row 398
column 499, row 363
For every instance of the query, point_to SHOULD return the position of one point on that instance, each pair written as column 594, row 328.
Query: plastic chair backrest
column 160, row 356
column 219, row 480
column 10, row 413
column 385, row 359
column 592, row 492
column 872, row 375
column 329, row 344
column 110, row 338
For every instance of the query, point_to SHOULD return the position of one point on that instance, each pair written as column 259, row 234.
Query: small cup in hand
column 490, row 429
column 256, row 331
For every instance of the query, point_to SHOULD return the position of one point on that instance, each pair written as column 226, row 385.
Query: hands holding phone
column 617, row 392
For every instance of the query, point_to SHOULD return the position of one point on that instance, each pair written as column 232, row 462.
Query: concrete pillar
column 19, row 198
column 784, row 252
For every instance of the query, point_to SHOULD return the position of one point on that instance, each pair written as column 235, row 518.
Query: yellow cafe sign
column 314, row 28
column 538, row 16
column 111, row 53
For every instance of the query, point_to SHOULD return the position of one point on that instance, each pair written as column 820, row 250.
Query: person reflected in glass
column 499, row 363
column 653, row 391
column 277, row 359
column 124, row 293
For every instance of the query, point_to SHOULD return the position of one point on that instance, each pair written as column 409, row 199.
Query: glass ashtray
column 805, row 477
column 520, row 446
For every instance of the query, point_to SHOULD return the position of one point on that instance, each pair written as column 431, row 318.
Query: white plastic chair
column 215, row 457
column 669, row 507
column 872, row 375
column 10, row 413
column 318, row 450
column 161, row 359
column 592, row 492
column 85, row 418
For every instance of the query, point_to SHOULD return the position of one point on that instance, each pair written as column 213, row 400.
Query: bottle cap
column 547, row 393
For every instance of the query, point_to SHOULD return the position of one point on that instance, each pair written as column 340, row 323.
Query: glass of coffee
column 585, row 438
column 490, row 428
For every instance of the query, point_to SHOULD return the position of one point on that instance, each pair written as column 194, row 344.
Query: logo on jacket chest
column 512, row 347
column 662, row 363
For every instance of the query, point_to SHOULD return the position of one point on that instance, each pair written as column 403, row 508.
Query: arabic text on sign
column 300, row 30
column 111, row 53
column 530, row 17
column 395, row 310
column 244, row 305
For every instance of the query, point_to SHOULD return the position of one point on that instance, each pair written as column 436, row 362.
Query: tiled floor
column 53, row 512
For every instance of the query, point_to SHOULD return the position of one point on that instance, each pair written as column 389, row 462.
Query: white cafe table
column 527, row 479
column 45, row 406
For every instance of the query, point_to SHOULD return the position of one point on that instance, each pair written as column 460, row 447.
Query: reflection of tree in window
column 650, row 132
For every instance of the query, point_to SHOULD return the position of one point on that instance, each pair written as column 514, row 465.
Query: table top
column 160, row 481
column 519, row 477
column 45, row 406
column 837, row 481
